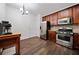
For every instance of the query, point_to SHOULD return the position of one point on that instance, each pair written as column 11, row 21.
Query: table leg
column 18, row 46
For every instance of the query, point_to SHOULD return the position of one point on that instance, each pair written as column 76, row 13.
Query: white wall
column 27, row 25
column 2, row 11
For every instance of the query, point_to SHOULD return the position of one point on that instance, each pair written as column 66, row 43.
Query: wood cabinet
column 46, row 18
column 76, row 14
column 43, row 18
column 72, row 12
column 53, row 19
column 76, row 40
column 65, row 13
column 52, row 35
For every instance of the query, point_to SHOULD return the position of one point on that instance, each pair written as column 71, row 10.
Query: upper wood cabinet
column 65, row 13
column 76, row 14
column 43, row 18
column 46, row 18
column 72, row 12
column 53, row 19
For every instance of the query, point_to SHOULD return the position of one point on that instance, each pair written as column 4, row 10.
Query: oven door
column 64, row 40
column 64, row 37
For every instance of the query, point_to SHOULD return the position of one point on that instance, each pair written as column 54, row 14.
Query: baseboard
column 32, row 37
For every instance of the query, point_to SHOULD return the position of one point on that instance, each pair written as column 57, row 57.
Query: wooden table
column 11, row 40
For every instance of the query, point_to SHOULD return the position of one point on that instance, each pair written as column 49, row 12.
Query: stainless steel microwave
column 66, row 20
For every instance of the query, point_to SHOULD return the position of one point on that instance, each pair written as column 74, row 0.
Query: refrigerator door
column 43, row 29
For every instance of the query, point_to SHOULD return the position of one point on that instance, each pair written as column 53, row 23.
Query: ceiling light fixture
column 24, row 11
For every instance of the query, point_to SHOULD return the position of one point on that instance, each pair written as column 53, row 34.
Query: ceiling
column 42, row 8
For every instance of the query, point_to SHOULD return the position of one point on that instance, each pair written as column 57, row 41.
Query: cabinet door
column 76, row 41
column 47, row 18
column 65, row 13
column 53, row 19
column 76, row 14
column 43, row 18
column 52, row 36
column 49, row 35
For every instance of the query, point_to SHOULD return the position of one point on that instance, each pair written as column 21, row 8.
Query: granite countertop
column 52, row 30
column 56, row 31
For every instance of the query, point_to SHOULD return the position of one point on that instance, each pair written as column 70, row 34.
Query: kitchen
column 42, row 32
column 64, row 28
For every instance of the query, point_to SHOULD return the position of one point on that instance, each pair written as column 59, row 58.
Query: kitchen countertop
column 55, row 31
column 52, row 30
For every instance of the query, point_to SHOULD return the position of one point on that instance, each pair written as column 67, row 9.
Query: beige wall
column 74, row 27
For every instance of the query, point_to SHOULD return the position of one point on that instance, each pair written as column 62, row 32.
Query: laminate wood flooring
column 37, row 46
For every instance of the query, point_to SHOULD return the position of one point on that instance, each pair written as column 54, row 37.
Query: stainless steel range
column 65, row 37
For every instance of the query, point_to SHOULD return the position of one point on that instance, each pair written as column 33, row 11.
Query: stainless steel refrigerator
column 45, row 26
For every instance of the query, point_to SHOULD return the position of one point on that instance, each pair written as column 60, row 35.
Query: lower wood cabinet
column 52, row 35
column 76, row 40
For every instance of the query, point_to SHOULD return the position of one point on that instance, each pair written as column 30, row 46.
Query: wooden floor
column 43, row 36
column 37, row 46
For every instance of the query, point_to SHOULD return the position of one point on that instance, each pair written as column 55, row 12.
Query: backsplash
column 74, row 27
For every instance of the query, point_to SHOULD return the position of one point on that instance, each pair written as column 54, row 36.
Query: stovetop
column 65, row 31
